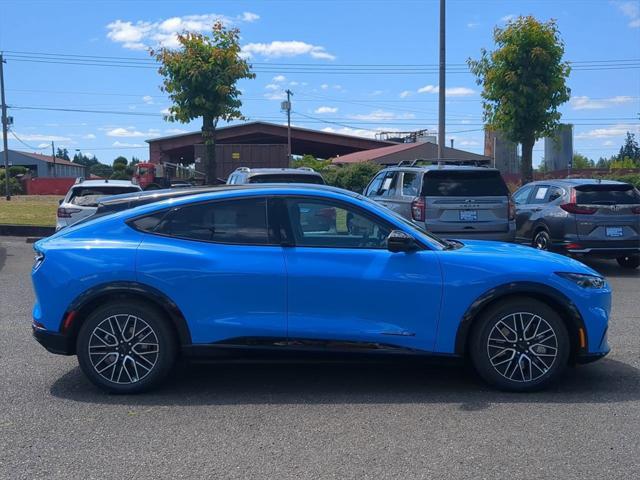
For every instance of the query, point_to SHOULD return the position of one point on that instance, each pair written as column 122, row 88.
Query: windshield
column 284, row 178
column 623, row 194
column 460, row 183
column 89, row 196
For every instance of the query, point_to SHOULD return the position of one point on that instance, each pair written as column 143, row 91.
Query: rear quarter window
column 278, row 178
column 472, row 183
column 89, row 196
column 599, row 194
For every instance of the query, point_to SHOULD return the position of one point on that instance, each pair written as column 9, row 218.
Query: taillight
column 418, row 209
column 512, row 209
column 67, row 212
column 573, row 207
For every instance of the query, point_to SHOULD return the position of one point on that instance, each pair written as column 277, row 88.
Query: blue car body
column 295, row 296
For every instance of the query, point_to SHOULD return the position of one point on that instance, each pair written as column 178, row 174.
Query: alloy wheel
column 541, row 241
column 123, row 349
column 522, row 347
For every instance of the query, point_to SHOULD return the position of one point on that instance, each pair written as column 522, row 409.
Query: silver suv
column 275, row 175
column 451, row 201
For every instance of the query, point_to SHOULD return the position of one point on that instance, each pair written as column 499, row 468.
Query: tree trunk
column 526, row 168
column 209, row 137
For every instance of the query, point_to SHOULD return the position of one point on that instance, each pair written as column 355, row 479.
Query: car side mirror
column 398, row 241
column 60, row 201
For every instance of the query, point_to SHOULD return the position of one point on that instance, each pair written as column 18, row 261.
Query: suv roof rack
column 443, row 161
column 306, row 169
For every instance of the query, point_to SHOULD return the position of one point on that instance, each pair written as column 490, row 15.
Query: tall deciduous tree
column 200, row 78
column 524, row 83
column 630, row 149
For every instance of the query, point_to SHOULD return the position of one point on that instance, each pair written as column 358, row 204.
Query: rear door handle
column 537, row 209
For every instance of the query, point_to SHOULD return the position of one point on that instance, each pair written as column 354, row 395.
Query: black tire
column 132, row 355
column 629, row 261
column 530, row 365
column 541, row 240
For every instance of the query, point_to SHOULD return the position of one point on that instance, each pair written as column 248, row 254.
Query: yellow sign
column 235, row 155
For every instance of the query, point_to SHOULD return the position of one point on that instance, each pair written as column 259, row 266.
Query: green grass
column 37, row 210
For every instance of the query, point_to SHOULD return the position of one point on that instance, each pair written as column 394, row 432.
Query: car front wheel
column 126, row 347
column 629, row 261
column 541, row 240
column 520, row 345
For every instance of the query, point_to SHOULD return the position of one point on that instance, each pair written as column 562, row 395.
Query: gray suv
column 244, row 175
column 450, row 201
column 581, row 217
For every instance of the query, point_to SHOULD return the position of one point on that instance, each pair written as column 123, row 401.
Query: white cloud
column 175, row 131
column 508, row 18
column 148, row 99
column 142, row 34
column 356, row 132
column 165, row 111
column 585, row 103
column 89, row 136
column 325, row 109
column 124, row 144
column 618, row 130
column 293, row 83
column 275, row 96
column 607, row 143
column 292, row 48
column 631, row 10
column 279, row 78
column 376, row 93
column 130, row 132
column 472, row 24
column 382, row 115
column 449, row 92
column 38, row 137
column 324, row 86
column 272, row 86
column 406, row 93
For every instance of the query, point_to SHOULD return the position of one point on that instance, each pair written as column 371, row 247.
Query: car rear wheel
column 520, row 345
column 629, row 261
column 126, row 347
column 541, row 240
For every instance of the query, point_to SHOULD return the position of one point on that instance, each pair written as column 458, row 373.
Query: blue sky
column 327, row 37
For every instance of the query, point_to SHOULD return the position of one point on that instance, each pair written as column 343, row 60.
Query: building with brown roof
column 45, row 166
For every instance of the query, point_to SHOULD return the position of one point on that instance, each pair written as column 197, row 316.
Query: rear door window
column 602, row 194
column 410, row 184
column 460, row 183
column 540, row 194
column 389, row 185
column 89, row 196
column 242, row 221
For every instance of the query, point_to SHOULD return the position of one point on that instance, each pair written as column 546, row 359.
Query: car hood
column 510, row 256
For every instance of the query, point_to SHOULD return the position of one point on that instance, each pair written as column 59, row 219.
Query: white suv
column 82, row 198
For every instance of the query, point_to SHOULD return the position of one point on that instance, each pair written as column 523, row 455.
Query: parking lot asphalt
column 314, row 421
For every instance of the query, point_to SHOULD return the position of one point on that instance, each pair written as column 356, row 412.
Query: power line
column 24, row 143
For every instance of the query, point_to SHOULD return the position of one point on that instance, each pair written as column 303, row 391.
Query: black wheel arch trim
column 130, row 288
column 568, row 310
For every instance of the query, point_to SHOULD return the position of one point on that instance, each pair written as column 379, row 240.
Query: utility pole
column 5, row 131
column 53, row 155
column 441, row 82
column 287, row 106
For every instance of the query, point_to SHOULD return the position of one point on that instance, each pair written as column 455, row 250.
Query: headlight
column 38, row 258
column 584, row 280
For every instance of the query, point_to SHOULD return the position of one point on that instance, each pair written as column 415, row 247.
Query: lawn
column 29, row 210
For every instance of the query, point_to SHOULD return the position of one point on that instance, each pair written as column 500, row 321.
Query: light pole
column 5, row 131
column 441, row 82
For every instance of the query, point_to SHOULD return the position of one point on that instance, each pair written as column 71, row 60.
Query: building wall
column 44, row 169
column 504, row 152
column 558, row 149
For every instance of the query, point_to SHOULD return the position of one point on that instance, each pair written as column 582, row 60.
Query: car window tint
column 410, row 184
column 89, row 196
column 554, row 194
column 461, row 183
column 388, row 187
column 148, row 223
column 375, row 185
column 233, row 221
column 521, row 196
column 319, row 223
column 284, row 178
column 603, row 194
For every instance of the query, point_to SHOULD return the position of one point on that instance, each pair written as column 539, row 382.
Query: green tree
column 630, row 148
column 310, row 161
column 524, row 83
column 101, row 170
column 354, row 177
column 603, row 162
column 84, row 160
column 200, row 78
column 120, row 163
column 580, row 161
column 62, row 153
column 625, row 162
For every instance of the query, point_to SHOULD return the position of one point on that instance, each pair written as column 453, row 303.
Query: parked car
column 82, row 198
column 275, row 175
column 582, row 217
column 238, row 270
column 451, row 201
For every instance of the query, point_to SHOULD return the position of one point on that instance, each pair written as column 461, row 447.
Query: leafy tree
column 200, row 78
column 524, row 83
column 625, row 162
column 603, row 163
column 120, row 163
column 62, row 153
column 310, row 161
column 354, row 177
column 580, row 161
column 101, row 170
column 84, row 160
column 630, row 148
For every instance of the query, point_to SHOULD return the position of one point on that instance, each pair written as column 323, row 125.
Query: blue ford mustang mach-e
column 294, row 268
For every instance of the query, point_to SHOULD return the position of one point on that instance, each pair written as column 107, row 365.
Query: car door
column 388, row 190
column 221, row 265
column 345, row 289
column 523, row 211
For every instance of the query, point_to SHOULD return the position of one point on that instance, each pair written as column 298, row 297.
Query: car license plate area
column 613, row 231
column 468, row 215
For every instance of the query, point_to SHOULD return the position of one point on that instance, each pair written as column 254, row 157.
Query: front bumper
column 54, row 342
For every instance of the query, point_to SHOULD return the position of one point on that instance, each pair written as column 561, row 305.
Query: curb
column 26, row 231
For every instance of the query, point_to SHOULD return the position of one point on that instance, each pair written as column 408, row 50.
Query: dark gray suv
column 581, row 217
column 244, row 175
column 451, row 201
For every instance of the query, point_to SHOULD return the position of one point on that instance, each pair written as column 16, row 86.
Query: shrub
column 15, row 187
column 354, row 177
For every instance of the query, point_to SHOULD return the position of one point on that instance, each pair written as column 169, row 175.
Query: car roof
column 105, row 183
column 577, row 181
column 427, row 168
column 290, row 171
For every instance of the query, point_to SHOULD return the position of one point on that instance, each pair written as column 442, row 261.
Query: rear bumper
column 604, row 249
column 495, row 236
column 54, row 342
